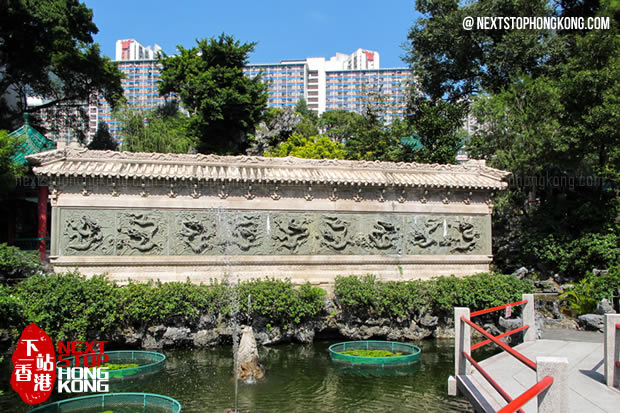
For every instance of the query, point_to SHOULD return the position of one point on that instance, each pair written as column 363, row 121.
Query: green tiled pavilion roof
column 32, row 141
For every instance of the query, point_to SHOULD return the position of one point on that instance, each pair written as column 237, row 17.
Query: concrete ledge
column 475, row 392
column 228, row 260
column 300, row 269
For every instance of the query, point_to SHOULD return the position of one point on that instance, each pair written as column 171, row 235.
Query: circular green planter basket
column 114, row 403
column 409, row 353
column 148, row 362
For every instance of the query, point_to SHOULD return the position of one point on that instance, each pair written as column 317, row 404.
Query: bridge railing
column 612, row 348
column 545, row 367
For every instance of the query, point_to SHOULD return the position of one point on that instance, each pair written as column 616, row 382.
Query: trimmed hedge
column 17, row 263
column 368, row 296
column 71, row 306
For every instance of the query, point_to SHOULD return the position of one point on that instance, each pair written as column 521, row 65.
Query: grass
column 370, row 353
column 112, row 366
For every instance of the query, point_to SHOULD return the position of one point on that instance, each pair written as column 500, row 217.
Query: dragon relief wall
column 211, row 233
column 202, row 217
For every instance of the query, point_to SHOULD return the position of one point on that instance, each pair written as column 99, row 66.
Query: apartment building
column 142, row 73
column 342, row 82
column 345, row 81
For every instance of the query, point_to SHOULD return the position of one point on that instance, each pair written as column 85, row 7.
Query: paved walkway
column 588, row 392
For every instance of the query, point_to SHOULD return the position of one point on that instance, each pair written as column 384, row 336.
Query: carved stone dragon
column 83, row 235
column 383, row 236
column 291, row 233
column 421, row 235
column 334, row 233
column 196, row 234
column 139, row 233
column 246, row 232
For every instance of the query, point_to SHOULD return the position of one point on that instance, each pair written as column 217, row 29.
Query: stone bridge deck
column 587, row 390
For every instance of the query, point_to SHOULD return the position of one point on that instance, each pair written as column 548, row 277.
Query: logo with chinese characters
column 34, row 361
column 79, row 366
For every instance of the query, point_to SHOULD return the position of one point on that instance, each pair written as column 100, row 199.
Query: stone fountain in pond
column 248, row 366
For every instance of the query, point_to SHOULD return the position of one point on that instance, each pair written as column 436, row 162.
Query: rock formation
column 248, row 367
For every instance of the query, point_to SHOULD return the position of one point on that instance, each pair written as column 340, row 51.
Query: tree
column 339, row 125
column 162, row 130
column 451, row 65
column 314, row 147
column 301, row 107
column 309, row 124
column 224, row 104
column 9, row 170
column 555, row 129
column 278, row 125
column 102, row 139
column 437, row 122
column 47, row 50
column 547, row 107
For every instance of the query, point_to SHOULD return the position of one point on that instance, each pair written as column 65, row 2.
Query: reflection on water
column 299, row 378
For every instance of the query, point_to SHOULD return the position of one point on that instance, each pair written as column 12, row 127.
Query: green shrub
column 585, row 295
column 580, row 298
column 478, row 291
column 165, row 303
column 279, row 301
column 484, row 290
column 367, row 296
column 71, row 306
column 16, row 263
column 605, row 286
column 356, row 293
column 66, row 306
column 575, row 257
column 11, row 309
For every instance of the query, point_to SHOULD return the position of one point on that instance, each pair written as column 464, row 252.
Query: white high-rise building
column 342, row 82
column 130, row 49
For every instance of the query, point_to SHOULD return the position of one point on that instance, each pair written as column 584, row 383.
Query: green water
column 299, row 378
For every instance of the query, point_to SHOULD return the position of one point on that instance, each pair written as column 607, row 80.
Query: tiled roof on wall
column 74, row 161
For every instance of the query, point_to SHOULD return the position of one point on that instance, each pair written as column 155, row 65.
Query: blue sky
column 283, row 29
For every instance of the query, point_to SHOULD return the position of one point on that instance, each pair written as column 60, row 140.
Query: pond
column 299, row 378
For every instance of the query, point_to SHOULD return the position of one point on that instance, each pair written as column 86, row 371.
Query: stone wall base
column 318, row 270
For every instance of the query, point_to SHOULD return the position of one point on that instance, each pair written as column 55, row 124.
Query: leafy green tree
column 339, row 125
column 309, row 124
column 278, row 125
column 302, row 108
column 437, row 122
column 164, row 130
column 450, row 65
column 224, row 105
column 47, row 50
column 589, row 85
column 315, row 147
column 9, row 170
column 102, row 139
column 370, row 138
column 512, row 135
column 546, row 103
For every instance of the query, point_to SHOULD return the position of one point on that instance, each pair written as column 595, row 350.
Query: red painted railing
column 492, row 382
column 516, row 404
column 528, row 395
column 501, row 344
column 506, row 334
column 499, row 307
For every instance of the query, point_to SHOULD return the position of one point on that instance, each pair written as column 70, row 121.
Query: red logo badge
column 34, row 366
